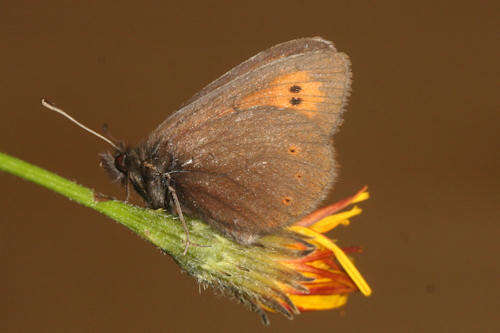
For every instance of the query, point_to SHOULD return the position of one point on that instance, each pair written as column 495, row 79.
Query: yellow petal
column 330, row 222
column 318, row 302
column 361, row 197
column 346, row 263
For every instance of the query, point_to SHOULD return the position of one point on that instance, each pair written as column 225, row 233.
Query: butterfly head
column 143, row 168
column 116, row 164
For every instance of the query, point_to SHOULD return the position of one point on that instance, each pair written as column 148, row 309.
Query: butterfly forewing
column 263, row 58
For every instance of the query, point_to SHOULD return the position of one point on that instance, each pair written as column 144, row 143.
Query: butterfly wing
column 255, row 144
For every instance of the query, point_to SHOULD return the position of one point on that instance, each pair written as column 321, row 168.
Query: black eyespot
column 295, row 101
column 295, row 89
column 286, row 201
column 120, row 163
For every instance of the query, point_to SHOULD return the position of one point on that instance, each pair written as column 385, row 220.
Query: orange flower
column 329, row 272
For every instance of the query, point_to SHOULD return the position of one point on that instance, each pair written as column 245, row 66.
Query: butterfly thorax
column 147, row 167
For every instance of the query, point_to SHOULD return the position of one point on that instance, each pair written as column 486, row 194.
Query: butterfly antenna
column 52, row 107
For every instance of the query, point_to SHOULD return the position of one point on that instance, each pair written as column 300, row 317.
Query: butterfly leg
column 181, row 216
column 127, row 190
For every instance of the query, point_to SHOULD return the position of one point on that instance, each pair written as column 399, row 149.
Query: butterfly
column 251, row 152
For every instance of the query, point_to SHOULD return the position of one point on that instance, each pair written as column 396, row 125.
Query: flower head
column 298, row 269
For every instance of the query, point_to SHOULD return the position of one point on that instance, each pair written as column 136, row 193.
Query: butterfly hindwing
column 259, row 175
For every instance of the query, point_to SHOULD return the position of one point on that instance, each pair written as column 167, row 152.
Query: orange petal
column 346, row 263
column 331, row 209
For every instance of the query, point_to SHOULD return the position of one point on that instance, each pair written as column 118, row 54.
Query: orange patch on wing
column 294, row 91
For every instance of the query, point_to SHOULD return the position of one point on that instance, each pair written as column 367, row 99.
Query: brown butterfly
column 252, row 151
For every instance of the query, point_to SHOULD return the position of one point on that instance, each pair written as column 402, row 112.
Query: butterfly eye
column 120, row 163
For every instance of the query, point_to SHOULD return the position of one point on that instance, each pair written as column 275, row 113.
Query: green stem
column 158, row 227
column 47, row 179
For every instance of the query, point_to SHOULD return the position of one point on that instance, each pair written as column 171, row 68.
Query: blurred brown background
column 421, row 131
